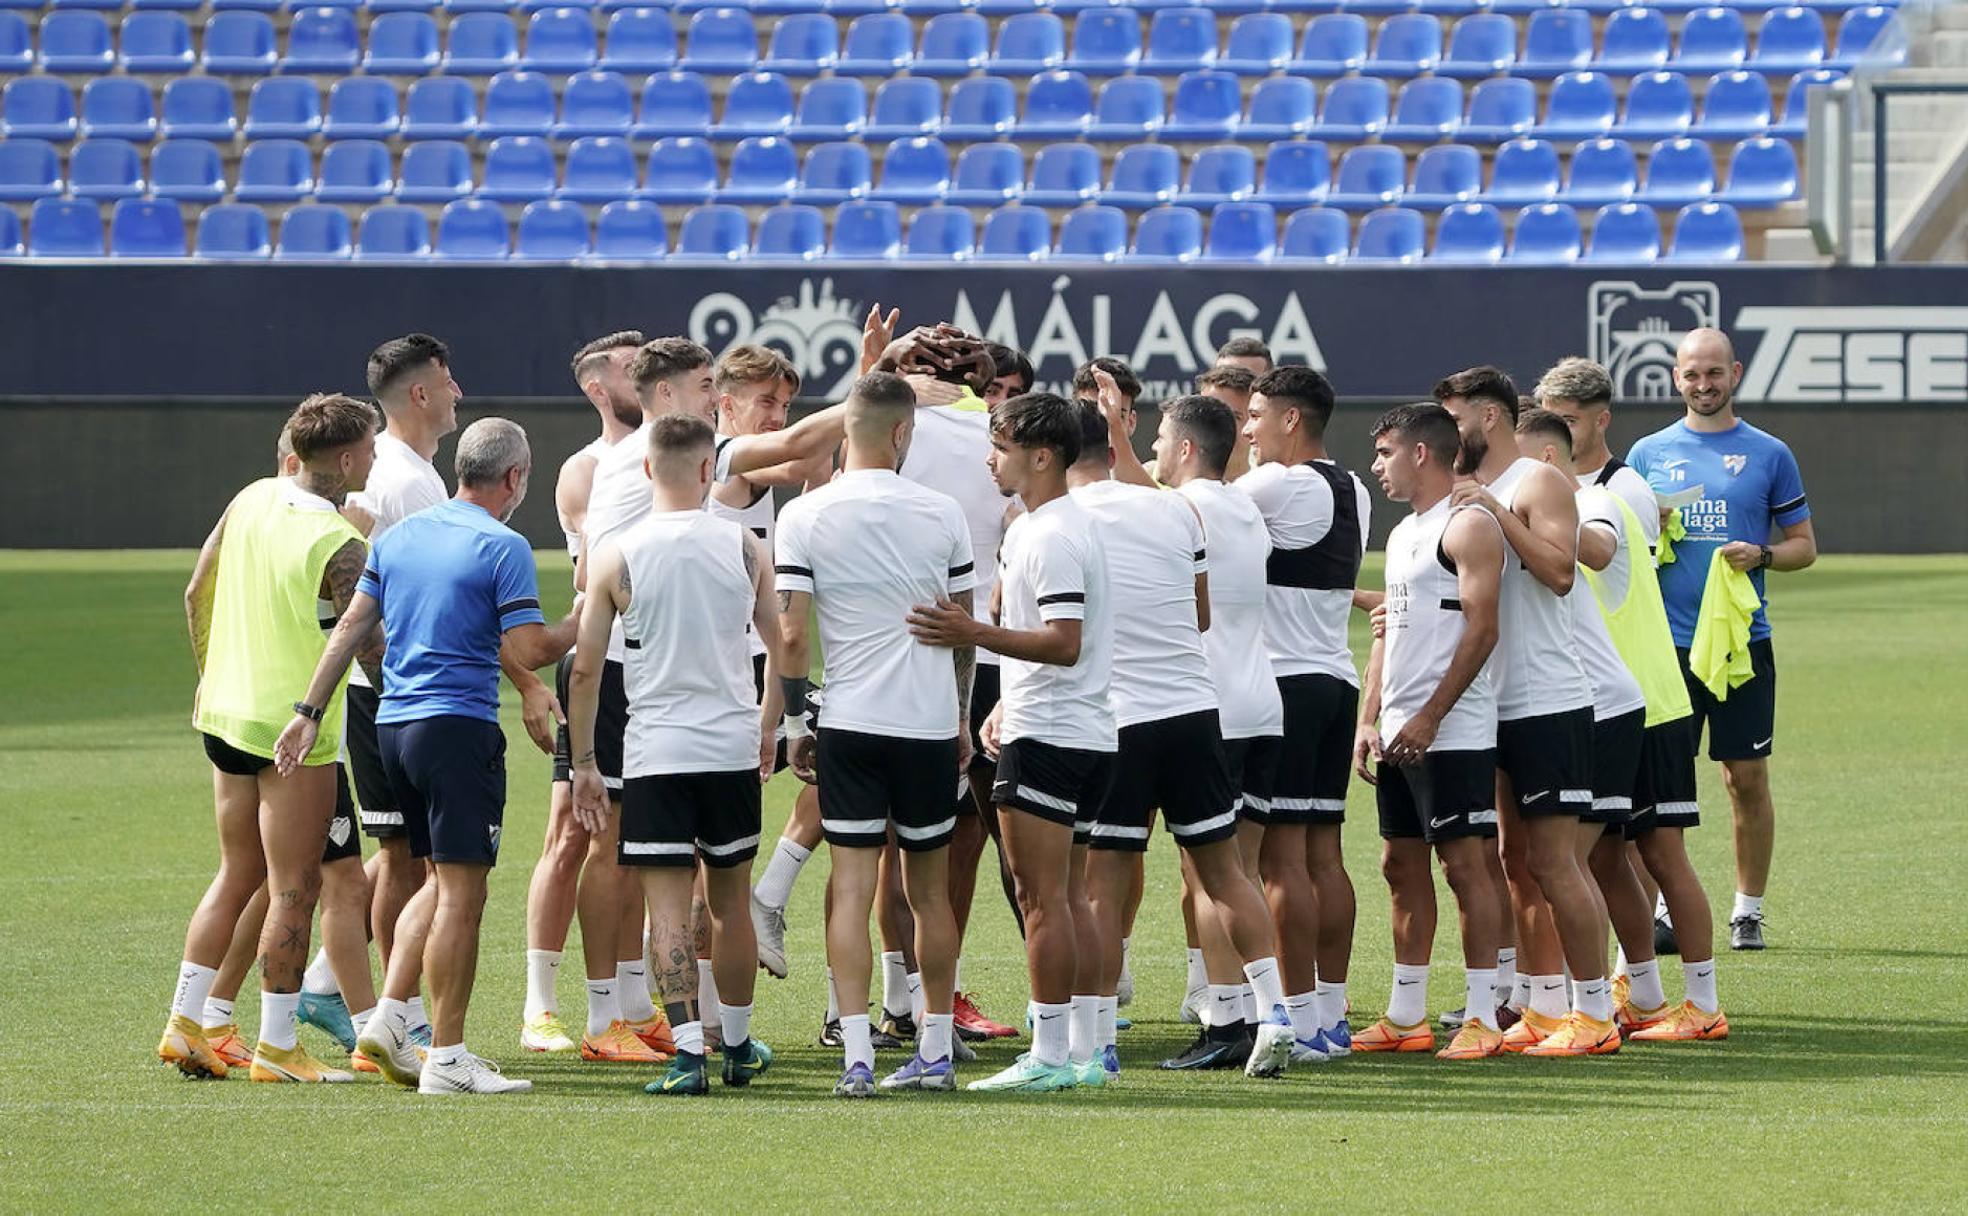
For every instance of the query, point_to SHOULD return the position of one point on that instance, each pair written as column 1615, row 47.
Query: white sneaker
column 1273, row 1050
column 1192, row 1003
column 1124, row 990
column 769, row 925
column 386, row 1042
column 468, row 1074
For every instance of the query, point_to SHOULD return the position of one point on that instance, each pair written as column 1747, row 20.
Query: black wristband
column 312, row 713
column 794, row 690
column 1768, row 556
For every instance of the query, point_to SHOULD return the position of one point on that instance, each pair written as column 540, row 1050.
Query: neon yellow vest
column 266, row 635
column 1638, row 626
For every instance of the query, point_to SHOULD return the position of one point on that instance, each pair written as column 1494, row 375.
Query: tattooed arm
column 359, row 619
column 338, row 582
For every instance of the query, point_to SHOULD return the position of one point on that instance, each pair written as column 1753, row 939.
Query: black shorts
column 1744, row 726
column 870, row 782
column 1548, row 758
column 449, row 774
column 377, row 810
column 343, row 840
column 230, row 760
column 1253, row 766
column 672, row 819
column 1174, row 764
column 1316, row 758
column 984, row 690
column 1615, row 768
column 1664, row 788
column 611, row 723
column 1062, row 785
column 1448, row 796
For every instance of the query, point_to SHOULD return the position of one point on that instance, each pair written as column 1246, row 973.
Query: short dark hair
column 883, row 390
column 666, row 357
column 1482, row 383
column 1427, row 424
column 1040, row 420
column 326, row 421
column 1547, row 426
column 602, row 346
column 1207, row 423
column 1010, row 361
column 1302, row 388
column 398, row 357
column 1245, row 347
column 1233, row 376
column 1095, row 439
column 1124, row 377
column 670, row 434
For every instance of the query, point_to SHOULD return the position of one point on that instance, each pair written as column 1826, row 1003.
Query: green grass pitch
column 1844, row 1087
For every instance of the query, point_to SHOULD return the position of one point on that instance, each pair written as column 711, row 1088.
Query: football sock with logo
column 542, row 969
column 414, row 1013
column 603, row 1010
column 855, row 1047
column 1595, row 999
column 277, row 1011
column 194, row 985
column 1085, row 1011
column 1267, row 987
column 895, row 983
column 736, row 1023
column 1747, row 905
column 1644, row 985
column 1303, row 1010
column 1548, row 996
column 775, row 886
column 1407, row 1003
column 1700, row 979
column 1332, row 1004
column 217, row 1013
column 1107, row 1030
column 632, row 990
column 1051, row 1033
column 1477, row 985
column 934, row 1041
column 1506, row 984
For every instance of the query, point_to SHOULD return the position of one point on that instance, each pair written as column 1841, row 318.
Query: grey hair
column 1576, row 379
column 488, row 448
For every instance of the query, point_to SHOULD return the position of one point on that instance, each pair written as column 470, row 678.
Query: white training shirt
column 401, row 483
column 948, row 452
column 1054, row 568
column 1540, row 672
column 1424, row 627
column 869, row 546
column 1317, row 541
column 1632, row 488
column 1239, row 544
column 757, row 517
column 687, row 674
column 1614, row 690
column 592, row 452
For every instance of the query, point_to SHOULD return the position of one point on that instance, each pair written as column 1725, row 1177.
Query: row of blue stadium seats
column 769, row 10
column 1104, row 42
column 1246, row 234
column 1579, row 105
column 1761, row 172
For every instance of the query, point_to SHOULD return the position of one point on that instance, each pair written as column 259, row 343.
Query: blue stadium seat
column 1501, row 109
column 1445, row 175
column 1469, row 233
column 481, row 44
column 835, row 172
column 1762, row 173
column 1179, row 40
column 239, row 44
column 879, row 44
column 1524, row 171
column 518, row 103
column 553, row 231
column 1106, row 42
column 1016, row 233
column 1797, row 109
column 1679, row 172
column 1092, row 233
column 11, row 243
column 1144, row 175
column 905, row 106
column 1128, row 108
column 953, row 44
column 1369, row 176
column 1058, row 105
column 988, row 175
column 1581, row 105
column 37, row 107
column 1259, row 44
column 1208, row 105
column 187, row 170
column 355, row 171
column 1427, row 109
column 1556, row 41
column 440, row 108
column 757, row 103
column 198, row 107
column 937, row 8
column 1481, row 44
column 234, row 232
column 1315, row 234
column 402, row 44
column 721, row 41
column 1297, row 173
column 1707, row 232
column 1407, row 44
column 1624, row 232
column 1333, row 45
column 393, row 232
column 1547, row 234
column 1603, row 172
column 866, row 230
column 913, row 171
column 681, row 169
column 1635, row 40
column 379, row 7
column 29, row 169
column 790, row 232
column 640, row 40
column 980, row 107
column 315, row 232
column 1242, row 233
column 1064, row 175
column 321, row 42
column 142, row 5
column 595, row 103
column 1167, row 235
column 560, row 40
column 1659, row 105
column 764, row 169
column 361, row 107
column 155, row 42
column 940, row 234
column 1712, row 40
column 842, row 8
column 630, row 230
column 118, row 107
column 434, row 171
column 803, row 44
column 65, row 228
column 1872, row 35
column 110, row 5
column 1280, row 107
column 274, row 171
column 1028, row 43
column 1223, row 173
column 1736, row 106
column 472, row 230
column 105, row 169
column 598, row 169
column 530, row 7
column 280, row 108
column 1355, row 108
column 1391, row 234
column 257, row 6
column 831, row 108
column 75, row 41
column 673, row 103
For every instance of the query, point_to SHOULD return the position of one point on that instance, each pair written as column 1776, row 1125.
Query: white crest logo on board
column 818, row 333
column 1633, row 332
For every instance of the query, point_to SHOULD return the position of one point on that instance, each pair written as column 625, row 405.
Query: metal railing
column 1882, row 92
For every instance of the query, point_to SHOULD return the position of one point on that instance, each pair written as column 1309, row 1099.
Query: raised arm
column 1127, row 466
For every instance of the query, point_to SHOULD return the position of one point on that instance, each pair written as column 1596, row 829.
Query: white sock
column 1478, row 983
column 1332, row 1004
column 415, row 1017
column 1747, row 905
column 1407, row 1003
column 736, row 1023
column 707, row 986
column 1700, row 979
column 1506, row 984
column 775, row 886
column 1266, row 985
column 1224, row 1006
column 1051, row 1033
column 397, row 1012
column 1644, row 980
column 319, row 978
column 1083, row 1024
column 194, row 985
column 217, row 1013
column 1660, row 908
column 1595, row 999
column 443, row 1056
column 1106, row 1032
column 933, row 1041
column 833, row 998
column 854, row 1040
column 689, row 1037
column 1520, row 998
column 895, row 982
column 361, row 1020
column 1303, row 1010
column 1548, row 996
column 632, row 990
column 1198, row 977
column 542, row 969
column 956, row 976
column 603, row 1008
column 1619, row 962
column 277, row 1010
column 1251, row 1013
column 917, row 1007
column 1573, row 987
